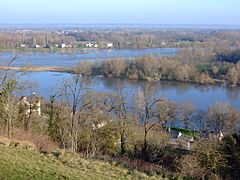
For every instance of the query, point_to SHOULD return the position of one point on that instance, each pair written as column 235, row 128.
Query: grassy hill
column 21, row 161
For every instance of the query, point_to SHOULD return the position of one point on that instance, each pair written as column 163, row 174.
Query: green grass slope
column 23, row 162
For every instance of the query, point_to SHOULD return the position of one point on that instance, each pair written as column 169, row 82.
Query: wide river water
column 202, row 96
column 49, row 83
column 70, row 58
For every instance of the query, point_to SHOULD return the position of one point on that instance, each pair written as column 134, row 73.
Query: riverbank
column 38, row 69
column 47, row 50
column 72, row 71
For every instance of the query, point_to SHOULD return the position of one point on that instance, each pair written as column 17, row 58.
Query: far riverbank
column 72, row 71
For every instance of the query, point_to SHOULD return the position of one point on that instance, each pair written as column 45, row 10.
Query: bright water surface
column 202, row 96
column 64, row 59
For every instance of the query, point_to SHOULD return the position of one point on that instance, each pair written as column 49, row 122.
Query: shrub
column 41, row 142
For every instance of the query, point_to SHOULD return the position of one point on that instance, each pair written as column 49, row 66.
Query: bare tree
column 5, row 74
column 147, row 113
column 233, row 76
column 222, row 117
column 7, row 102
column 7, row 105
column 119, row 107
column 73, row 91
column 166, row 111
column 187, row 112
column 115, row 67
column 84, row 68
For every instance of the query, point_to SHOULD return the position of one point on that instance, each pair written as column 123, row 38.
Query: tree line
column 189, row 65
column 130, row 38
column 13, row 40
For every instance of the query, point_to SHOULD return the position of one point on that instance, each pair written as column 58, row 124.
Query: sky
column 224, row 12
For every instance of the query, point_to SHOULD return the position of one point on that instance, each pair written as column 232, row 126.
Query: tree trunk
column 123, row 148
column 144, row 150
column 9, row 127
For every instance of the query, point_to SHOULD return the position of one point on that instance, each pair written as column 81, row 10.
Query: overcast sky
column 120, row 11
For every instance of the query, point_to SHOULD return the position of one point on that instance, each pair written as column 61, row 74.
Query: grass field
column 186, row 132
column 23, row 162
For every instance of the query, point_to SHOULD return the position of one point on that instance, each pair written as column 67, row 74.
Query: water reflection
column 232, row 93
column 200, row 95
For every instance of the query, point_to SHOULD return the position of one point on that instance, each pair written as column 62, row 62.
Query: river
column 70, row 58
column 202, row 96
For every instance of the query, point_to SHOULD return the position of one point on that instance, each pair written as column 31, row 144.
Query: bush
column 190, row 168
column 41, row 142
column 211, row 157
column 103, row 140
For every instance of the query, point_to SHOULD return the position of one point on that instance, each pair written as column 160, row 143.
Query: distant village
column 59, row 45
column 64, row 45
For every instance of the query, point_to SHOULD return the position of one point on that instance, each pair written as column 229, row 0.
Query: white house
column 46, row 46
column 23, row 45
column 91, row 45
column 221, row 136
column 179, row 135
column 99, row 125
column 109, row 45
column 69, row 46
column 32, row 106
column 62, row 45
